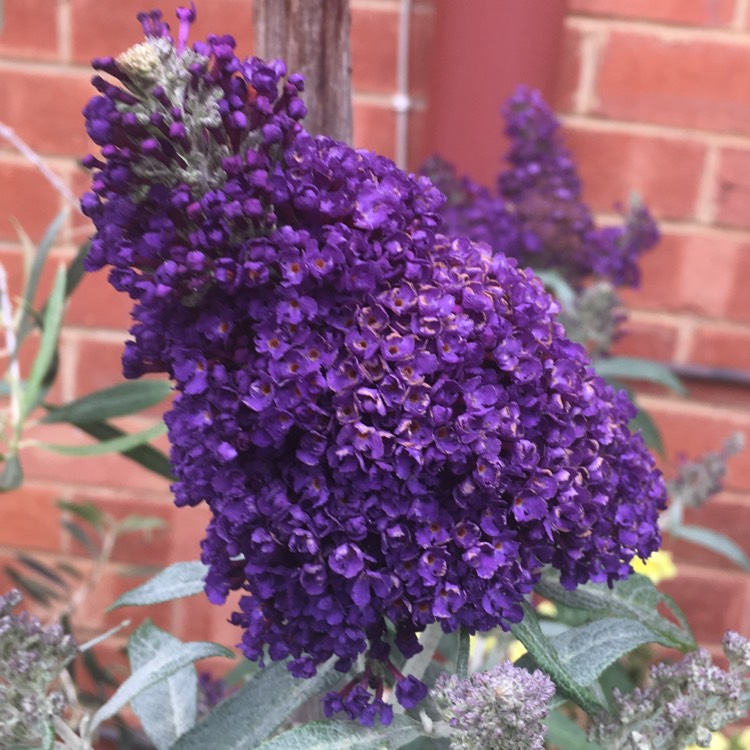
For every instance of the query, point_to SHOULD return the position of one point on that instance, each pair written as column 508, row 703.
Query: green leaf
column 39, row 567
column 586, row 651
column 88, row 512
column 651, row 436
column 116, row 445
column 11, row 477
column 35, row 589
column 714, row 541
column 169, row 660
column 545, row 655
column 144, row 455
column 263, row 704
column 339, row 735
column 168, row 709
column 40, row 255
column 47, row 346
column 566, row 734
column 635, row 598
column 119, row 401
column 179, row 580
column 82, row 537
column 135, row 522
column 639, row 368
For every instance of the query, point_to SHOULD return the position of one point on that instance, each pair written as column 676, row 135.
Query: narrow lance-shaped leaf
column 169, row 708
column 544, row 653
column 635, row 598
column 119, row 401
column 714, row 541
column 116, row 445
column 40, row 255
column 339, row 735
column 638, row 368
column 144, row 455
column 262, row 705
column 179, row 580
column 11, row 476
column 169, row 660
column 47, row 346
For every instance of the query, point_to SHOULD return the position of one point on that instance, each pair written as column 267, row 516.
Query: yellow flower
column 547, row 608
column 743, row 739
column 718, row 742
column 659, row 567
column 516, row 650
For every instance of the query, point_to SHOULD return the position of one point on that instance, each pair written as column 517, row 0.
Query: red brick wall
column 655, row 98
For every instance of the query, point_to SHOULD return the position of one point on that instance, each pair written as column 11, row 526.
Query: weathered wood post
column 312, row 36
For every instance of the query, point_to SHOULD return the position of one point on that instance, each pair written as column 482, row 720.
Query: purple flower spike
column 387, row 424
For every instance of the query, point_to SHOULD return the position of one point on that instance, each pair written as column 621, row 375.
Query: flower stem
column 462, row 653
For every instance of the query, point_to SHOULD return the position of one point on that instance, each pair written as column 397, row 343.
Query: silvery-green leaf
column 170, row 660
column 635, row 598
column 586, row 651
column 261, row 706
column 169, row 708
column 179, row 580
column 542, row 650
column 340, row 735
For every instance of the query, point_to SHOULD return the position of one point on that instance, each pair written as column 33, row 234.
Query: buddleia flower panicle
column 682, row 704
column 537, row 214
column 32, row 657
column 386, row 423
column 501, row 709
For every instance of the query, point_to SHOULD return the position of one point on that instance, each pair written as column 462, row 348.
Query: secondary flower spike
column 386, row 423
column 537, row 214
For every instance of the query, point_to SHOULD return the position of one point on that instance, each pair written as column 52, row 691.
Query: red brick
column 738, row 306
column 375, row 129
column 29, row 29
column 733, row 396
column 110, row 28
column 113, row 583
column 30, row 518
column 44, row 108
column 96, row 304
column 569, row 72
column 690, row 273
column 374, row 49
column 26, row 196
column 721, row 347
column 645, row 339
column 733, row 196
column 98, row 365
column 421, row 49
column 694, row 12
column 693, row 431
column 111, row 470
column 150, row 547
column 686, row 83
column 665, row 172
column 726, row 513
column 713, row 601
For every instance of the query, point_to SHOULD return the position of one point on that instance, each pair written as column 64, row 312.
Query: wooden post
column 312, row 37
